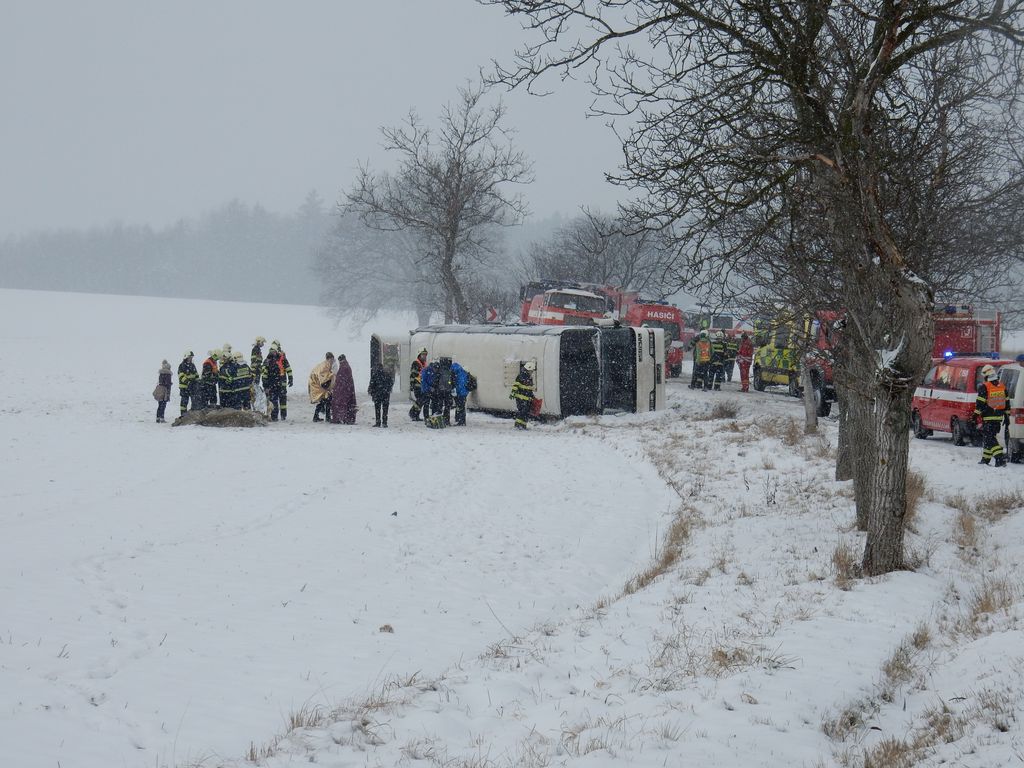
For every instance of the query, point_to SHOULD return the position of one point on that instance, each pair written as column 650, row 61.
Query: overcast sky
column 145, row 112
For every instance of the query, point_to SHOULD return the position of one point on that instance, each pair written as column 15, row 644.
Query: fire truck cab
column 946, row 398
column 567, row 306
column 646, row 313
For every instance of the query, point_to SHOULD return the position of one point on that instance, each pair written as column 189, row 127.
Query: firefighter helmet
column 216, row 354
column 188, row 353
column 275, row 344
column 422, row 352
column 530, row 365
column 238, row 356
column 259, row 342
column 989, row 373
column 703, row 334
column 719, row 335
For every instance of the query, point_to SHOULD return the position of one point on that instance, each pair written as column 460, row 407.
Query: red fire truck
column 553, row 302
column 964, row 330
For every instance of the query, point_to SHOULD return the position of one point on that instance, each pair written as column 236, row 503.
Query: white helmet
column 238, row 356
column 214, row 353
column 226, row 348
column 989, row 373
column 719, row 335
column 530, row 365
column 275, row 344
column 188, row 353
column 259, row 342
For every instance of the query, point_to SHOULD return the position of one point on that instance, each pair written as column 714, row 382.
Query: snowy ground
column 179, row 597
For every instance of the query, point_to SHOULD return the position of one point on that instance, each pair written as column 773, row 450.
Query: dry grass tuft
column 965, row 532
column 726, row 409
column 671, row 548
column 995, row 505
column 890, row 753
column 993, row 596
column 787, row 430
column 917, row 489
column 845, row 565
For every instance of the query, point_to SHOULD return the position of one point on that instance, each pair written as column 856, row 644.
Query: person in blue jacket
column 461, row 389
column 436, row 388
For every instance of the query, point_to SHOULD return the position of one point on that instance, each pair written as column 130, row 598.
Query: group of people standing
column 332, row 391
column 437, row 387
column 226, row 380
column 715, row 357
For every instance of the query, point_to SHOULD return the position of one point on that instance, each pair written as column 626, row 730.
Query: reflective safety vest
column 991, row 404
column 703, row 348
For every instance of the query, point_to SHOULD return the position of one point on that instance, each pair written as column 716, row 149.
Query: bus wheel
column 758, row 382
column 822, row 405
column 915, row 426
column 959, row 433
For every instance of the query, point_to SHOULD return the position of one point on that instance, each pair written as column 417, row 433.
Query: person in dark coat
column 188, row 382
column 162, row 393
column 382, row 381
column 275, row 384
column 343, row 396
column 208, row 380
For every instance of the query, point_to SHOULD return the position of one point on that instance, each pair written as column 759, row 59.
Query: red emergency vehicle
column 660, row 314
column 946, row 398
column 561, row 302
column 961, row 329
column 566, row 306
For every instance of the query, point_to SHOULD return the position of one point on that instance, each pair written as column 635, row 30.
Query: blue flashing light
column 995, row 355
column 947, row 354
column 1020, row 358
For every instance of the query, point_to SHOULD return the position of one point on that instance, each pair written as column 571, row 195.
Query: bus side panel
column 494, row 360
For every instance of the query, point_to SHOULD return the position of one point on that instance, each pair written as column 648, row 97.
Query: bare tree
column 760, row 121
column 450, row 190
column 364, row 270
column 597, row 248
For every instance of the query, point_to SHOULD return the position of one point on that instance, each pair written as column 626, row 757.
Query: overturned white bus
column 581, row 370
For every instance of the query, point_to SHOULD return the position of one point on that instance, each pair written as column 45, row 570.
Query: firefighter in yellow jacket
column 523, row 392
column 990, row 409
column 415, row 378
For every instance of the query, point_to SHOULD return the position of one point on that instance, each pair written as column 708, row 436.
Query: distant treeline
column 237, row 252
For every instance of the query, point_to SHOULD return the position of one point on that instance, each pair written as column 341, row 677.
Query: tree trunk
column 844, row 450
column 883, row 551
column 862, row 440
column 810, row 406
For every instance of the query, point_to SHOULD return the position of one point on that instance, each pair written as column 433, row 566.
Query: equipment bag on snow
column 435, row 422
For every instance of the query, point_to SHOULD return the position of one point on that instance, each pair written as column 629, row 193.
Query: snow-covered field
column 181, row 596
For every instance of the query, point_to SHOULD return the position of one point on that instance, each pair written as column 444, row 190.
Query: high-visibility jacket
column 717, row 351
column 243, row 378
column 702, row 351
column 274, row 371
column 256, row 362
column 991, row 402
column 416, row 374
column 522, row 387
column 187, row 374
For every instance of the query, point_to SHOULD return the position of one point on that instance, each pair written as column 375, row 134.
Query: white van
column 1012, row 377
